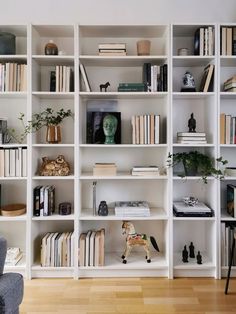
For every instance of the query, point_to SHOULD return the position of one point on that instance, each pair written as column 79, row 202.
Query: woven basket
column 13, row 210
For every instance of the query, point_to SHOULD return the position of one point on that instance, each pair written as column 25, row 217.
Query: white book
column 68, row 74
column 147, row 169
column 2, row 163
column 6, row 162
column 57, row 78
column 72, row 249
column 223, row 41
column 43, row 249
column 48, row 249
column 12, row 162
column 59, row 249
column 85, row 78
column 17, row 162
column 87, row 250
column 201, row 50
column 157, row 129
column 152, row 78
column 133, row 130
column 24, row 162
column 20, row 161
column 206, row 53
column 148, row 130
column 210, row 41
column 64, row 78
column 91, row 248
column 52, row 254
column 222, row 225
column 42, row 200
column 45, row 200
column 68, row 240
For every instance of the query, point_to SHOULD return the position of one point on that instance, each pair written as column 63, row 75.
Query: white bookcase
column 79, row 44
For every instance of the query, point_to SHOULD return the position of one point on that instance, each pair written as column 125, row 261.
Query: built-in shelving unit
column 79, row 44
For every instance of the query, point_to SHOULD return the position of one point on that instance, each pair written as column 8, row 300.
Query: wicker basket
column 13, row 210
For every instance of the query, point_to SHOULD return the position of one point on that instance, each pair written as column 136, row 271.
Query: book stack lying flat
column 112, row 49
column 191, row 138
column 57, row 249
column 132, row 209
column 145, row 171
column 104, row 169
column 230, row 84
column 14, row 255
column 198, row 210
column 131, row 87
column 91, row 248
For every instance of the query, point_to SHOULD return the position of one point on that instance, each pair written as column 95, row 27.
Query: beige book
column 100, row 171
column 223, row 41
column 133, row 130
column 137, row 129
column 141, row 129
column 64, row 249
column 222, row 128
column 1, row 163
column 57, row 78
column 82, row 240
column 43, row 249
column 229, row 34
column 102, row 248
column 152, row 129
column 97, row 246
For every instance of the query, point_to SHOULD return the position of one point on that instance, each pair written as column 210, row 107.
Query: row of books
column 228, row 41
column 57, row 249
column 145, row 171
column 104, row 169
column 227, row 236
column 227, row 129
column 132, row 209
column 13, row 162
column 204, row 41
column 191, row 138
column 145, row 129
column 13, row 256
column 112, row 49
column 155, row 77
column 231, row 200
column 13, row 77
column 91, row 248
column 230, row 84
column 61, row 80
column 44, row 200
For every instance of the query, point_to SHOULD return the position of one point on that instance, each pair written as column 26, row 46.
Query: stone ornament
column 57, row 167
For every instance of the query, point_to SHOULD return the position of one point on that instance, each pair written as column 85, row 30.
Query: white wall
column 116, row 11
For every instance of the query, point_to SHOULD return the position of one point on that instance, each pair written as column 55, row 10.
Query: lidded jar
column 51, row 48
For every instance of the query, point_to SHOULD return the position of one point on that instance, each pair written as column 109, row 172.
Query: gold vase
column 53, row 135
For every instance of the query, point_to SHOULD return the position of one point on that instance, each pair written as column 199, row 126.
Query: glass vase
column 53, row 135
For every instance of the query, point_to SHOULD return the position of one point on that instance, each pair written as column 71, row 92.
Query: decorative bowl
column 13, row 210
column 190, row 200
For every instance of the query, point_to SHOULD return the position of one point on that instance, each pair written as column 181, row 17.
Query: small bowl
column 190, row 200
column 13, row 210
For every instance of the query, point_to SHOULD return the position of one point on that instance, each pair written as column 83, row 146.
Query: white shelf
column 193, row 145
column 156, row 214
column 228, row 95
column 56, row 95
column 13, row 94
column 192, row 61
column 13, row 145
column 53, row 177
column 122, row 95
column 13, row 58
column 54, row 217
column 228, row 145
column 121, row 176
column 195, row 178
column 13, row 178
column 118, row 146
column 13, row 218
column 191, row 95
column 193, row 218
column 192, row 262
column 46, row 60
column 53, row 145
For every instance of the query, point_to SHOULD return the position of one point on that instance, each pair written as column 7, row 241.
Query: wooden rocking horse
column 134, row 238
column 104, row 86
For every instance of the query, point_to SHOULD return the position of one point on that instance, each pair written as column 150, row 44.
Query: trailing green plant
column 45, row 118
column 199, row 163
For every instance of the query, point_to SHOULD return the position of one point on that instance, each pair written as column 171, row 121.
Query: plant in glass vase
column 49, row 118
column 196, row 163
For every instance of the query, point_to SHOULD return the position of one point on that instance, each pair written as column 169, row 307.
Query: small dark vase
column 190, row 169
column 51, row 48
column 7, row 43
column 103, row 209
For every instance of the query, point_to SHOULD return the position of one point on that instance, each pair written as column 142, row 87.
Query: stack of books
column 230, row 84
column 44, row 200
column 146, row 129
column 57, row 249
column 145, row 171
column 198, row 210
column 132, row 209
column 191, row 138
column 227, row 129
column 112, row 49
column 91, row 248
column 131, row 87
column 104, row 169
column 13, row 162
column 14, row 255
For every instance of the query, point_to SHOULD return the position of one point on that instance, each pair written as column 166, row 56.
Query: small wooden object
column 13, row 210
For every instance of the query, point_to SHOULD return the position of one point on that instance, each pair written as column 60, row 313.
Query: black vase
column 7, row 43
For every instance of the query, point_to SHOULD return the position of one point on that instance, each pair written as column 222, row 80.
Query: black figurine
column 191, row 250
column 199, row 258
column 185, row 255
column 104, row 86
column 192, row 124
column 103, row 209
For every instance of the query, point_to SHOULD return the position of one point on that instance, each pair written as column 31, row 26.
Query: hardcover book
column 95, row 133
column 198, row 210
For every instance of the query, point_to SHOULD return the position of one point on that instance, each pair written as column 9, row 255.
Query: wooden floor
column 129, row 295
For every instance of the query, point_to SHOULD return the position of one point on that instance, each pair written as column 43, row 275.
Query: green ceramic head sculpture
column 109, row 128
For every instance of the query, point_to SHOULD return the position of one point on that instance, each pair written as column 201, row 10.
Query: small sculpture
column 185, row 255
column 110, row 123
column 188, row 83
column 191, row 250
column 134, row 238
column 103, row 209
column 199, row 258
column 192, row 124
column 57, row 167
column 104, row 86
column 190, row 200
column 51, row 48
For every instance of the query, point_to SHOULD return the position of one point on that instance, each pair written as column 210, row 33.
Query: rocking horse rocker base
column 134, row 239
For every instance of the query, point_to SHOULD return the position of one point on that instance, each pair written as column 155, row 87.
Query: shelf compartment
column 70, row 177
column 56, row 95
column 14, row 218
column 13, row 95
column 192, row 61
column 13, row 192
column 53, row 60
column 193, row 145
column 228, row 95
column 192, row 262
column 192, row 95
column 20, row 31
column 52, row 272
column 121, row 176
column 228, row 61
column 156, row 214
column 54, row 217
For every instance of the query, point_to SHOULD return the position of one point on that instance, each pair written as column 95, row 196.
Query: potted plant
column 49, row 118
column 196, row 163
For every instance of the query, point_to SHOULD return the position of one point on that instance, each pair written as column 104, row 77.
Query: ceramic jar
column 51, row 48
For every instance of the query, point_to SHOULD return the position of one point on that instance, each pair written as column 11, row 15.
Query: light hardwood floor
column 129, row 296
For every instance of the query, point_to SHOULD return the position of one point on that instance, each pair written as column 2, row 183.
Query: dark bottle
column 103, row 209
column 51, row 48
